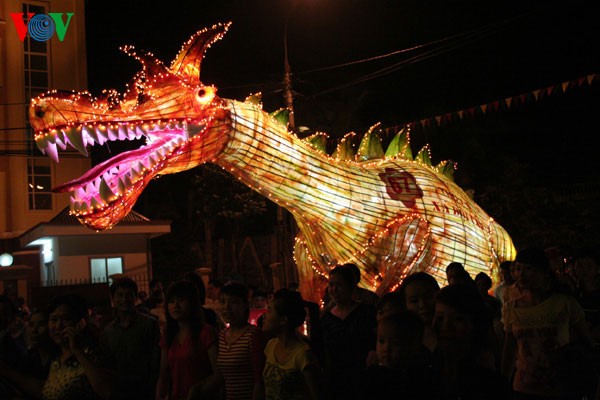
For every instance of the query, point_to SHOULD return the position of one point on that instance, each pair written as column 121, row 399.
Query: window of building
column 39, row 185
column 102, row 268
column 36, row 63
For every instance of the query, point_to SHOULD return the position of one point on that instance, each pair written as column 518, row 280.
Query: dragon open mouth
column 113, row 185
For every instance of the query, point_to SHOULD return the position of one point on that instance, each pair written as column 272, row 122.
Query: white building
column 48, row 247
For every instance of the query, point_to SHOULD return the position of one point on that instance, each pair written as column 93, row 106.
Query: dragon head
column 182, row 121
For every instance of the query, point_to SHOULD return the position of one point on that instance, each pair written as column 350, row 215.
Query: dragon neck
column 279, row 165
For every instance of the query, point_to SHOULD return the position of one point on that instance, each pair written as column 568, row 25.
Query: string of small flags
column 496, row 105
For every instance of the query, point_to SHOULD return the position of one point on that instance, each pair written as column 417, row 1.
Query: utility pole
column 285, row 222
column 287, row 76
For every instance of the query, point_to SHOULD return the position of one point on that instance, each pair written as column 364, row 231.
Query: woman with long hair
column 78, row 370
column 188, row 347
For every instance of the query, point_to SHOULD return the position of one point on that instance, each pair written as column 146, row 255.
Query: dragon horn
column 187, row 63
column 151, row 64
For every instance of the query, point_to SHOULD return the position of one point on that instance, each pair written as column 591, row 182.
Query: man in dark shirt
column 131, row 340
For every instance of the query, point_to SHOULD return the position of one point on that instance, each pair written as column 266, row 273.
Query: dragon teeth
column 127, row 181
column 79, row 194
column 102, row 134
column 61, row 144
column 52, row 151
column 139, row 131
column 113, row 133
column 88, row 134
column 105, row 191
column 121, row 187
column 75, row 137
column 97, row 203
column 122, row 132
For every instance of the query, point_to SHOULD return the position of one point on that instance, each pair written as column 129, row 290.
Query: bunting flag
column 507, row 102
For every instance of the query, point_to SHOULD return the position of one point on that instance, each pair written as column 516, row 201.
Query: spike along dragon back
column 389, row 213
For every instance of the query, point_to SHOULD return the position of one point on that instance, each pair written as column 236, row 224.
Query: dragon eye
column 205, row 95
column 39, row 112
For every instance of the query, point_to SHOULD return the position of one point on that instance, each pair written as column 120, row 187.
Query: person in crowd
column 462, row 277
column 515, row 290
column 465, row 364
column 483, row 283
column 545, row 332
column 402, row 368
column 312, row 324
column 507, row 280
column 142, row 302
column 156, row 302
column 210, row 316
column 563, row 282
column 32, row 357
column 389, row 303
column 258, row 306
column 131, row 341
column 213, row 297
column 12, row 343
column 79, row 371
column 188, row 361
column 586, row 272
column 23, row 309
column 348, row 333
column 418, row 292
column 241, row 357
column 41, row 350
column 292, row 370
column 363, row 295
column 452, row 270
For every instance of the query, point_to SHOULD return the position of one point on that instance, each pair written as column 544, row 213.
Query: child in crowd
column 402, row 366
column 389, row 303
column 292, row 370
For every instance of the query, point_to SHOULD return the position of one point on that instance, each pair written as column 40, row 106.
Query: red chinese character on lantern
column 401, row 185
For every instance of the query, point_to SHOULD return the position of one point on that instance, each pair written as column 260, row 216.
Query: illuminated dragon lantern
column 388, row 212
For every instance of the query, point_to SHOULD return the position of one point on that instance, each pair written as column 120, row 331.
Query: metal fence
column 142, row 281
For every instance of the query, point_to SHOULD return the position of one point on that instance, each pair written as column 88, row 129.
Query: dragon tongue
column 129, row 157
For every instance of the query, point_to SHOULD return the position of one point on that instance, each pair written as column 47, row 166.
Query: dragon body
column 389, row 213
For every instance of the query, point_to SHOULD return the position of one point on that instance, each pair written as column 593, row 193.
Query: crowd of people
column 534, row 335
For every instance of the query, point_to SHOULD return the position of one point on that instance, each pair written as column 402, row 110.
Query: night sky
column 490, row 50
column 476, row 52
column 480, row 52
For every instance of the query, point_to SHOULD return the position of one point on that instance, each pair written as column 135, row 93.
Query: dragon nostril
column 39, row 113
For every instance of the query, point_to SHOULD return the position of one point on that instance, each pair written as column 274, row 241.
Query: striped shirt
column 241, row 363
